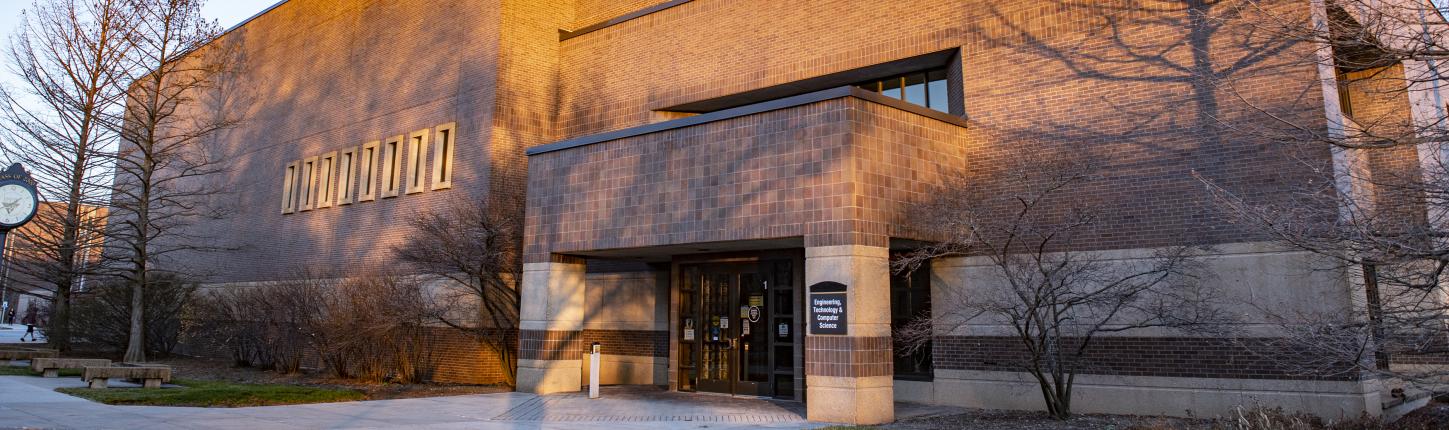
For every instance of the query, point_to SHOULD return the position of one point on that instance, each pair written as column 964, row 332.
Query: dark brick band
column 571, row 345
column 638, row 343
column 848, row 356
column 550, row 345
column 1186, row 357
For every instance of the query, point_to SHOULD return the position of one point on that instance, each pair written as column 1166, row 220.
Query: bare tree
column 1054, row 300
column 1380, row 214
column 475, row 248
column 71, row 57
column 165, row 166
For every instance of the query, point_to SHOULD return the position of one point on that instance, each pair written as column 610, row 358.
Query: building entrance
column 738, row 328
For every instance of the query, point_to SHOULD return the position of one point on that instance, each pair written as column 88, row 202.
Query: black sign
column 827, row 308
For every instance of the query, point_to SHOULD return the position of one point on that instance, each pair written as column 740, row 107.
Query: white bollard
column 594, row 372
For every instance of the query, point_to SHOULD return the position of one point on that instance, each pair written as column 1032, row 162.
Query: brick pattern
column 1183, row 357
column 1393, row 177
column 823, row 171
column 323, row 75
column 462, row 360
column 849, row 356
column 572, row 345
column 589, row 12
column 1151, row 128
column 550, row 345
column 638, row 343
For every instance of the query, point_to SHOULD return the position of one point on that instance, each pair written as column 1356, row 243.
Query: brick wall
column 817, row 170
column 572, row 345
column 315, row 73
column 638, row 343
column 1051, row 75
column 319, row 76
column 464, row 360
column 1184, row 357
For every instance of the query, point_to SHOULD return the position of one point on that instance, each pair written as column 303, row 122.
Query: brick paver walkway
column 31, row 402
column 643, row 404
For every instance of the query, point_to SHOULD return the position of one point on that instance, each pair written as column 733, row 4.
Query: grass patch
column 216, row 394
column 25, row 371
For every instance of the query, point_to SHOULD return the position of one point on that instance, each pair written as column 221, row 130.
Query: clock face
column 16, row 204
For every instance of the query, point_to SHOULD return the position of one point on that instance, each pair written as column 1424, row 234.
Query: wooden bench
column 50, row 367
column 23, row 353
column 151, row 375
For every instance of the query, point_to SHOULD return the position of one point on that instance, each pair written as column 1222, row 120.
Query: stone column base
column 549, row 376
column 860, row 401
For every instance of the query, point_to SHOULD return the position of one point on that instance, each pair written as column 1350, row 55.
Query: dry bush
column 101, row 316
column 369, row 328
column 1264, row 418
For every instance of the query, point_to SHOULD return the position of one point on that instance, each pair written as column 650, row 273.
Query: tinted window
column 930, row 88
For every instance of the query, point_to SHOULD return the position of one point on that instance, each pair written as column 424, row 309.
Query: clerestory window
column 927, row 88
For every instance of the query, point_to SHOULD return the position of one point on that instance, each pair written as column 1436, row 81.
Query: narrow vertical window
column 417, row 162
column 367, row 171
column 346, row 175
column 289, row 188
column 326, row 184
column 443, row 156
column 309, row 183
column 392, row 166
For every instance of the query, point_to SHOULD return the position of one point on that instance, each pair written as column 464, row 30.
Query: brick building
column 684, row 160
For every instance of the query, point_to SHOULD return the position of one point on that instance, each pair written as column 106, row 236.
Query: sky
column 226, row 12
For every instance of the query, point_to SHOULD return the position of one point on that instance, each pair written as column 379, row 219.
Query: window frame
column 369, row 156
column 416, row 177
column 289, row 187
column 326, row 179
column 309, row 184
column 391, row 166
column 346, row 176
column 900, row 80
column 918, row 283
column 445, row 146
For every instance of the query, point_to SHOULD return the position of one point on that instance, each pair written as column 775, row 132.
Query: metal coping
column 566, row 35
column 777, row 104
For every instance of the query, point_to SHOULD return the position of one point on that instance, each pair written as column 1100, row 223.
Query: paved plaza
column 30, row 402
column 10, row 333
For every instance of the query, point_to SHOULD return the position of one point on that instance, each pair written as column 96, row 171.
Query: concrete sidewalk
column 31, row 402
column 10, row 333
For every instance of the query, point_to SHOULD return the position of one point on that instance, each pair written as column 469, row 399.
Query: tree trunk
column 135, row 347
column 58, row 332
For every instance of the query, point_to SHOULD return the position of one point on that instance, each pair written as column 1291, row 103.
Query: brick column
column 848, row 378
column 551, row 313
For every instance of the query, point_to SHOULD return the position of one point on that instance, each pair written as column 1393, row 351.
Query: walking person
column 30, row 321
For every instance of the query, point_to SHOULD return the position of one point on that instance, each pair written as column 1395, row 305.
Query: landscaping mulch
column 1025, row 420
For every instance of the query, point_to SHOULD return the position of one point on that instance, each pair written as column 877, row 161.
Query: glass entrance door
column 729, row 341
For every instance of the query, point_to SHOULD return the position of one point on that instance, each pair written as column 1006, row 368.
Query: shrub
column 101, row 317
column 370, row 328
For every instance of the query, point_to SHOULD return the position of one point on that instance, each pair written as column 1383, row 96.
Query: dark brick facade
column 1184, row 357
column 638, row 343
column 462, row 360
column 849, row 356
column 550, row 345
column 572, row 345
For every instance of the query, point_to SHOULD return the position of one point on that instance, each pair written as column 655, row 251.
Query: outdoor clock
column 18, row 198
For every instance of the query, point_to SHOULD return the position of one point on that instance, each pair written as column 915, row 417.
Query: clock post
column 19, row 201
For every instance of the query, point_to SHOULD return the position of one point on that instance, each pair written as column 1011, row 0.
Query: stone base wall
column 1162, row 371
column 1145, row 395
